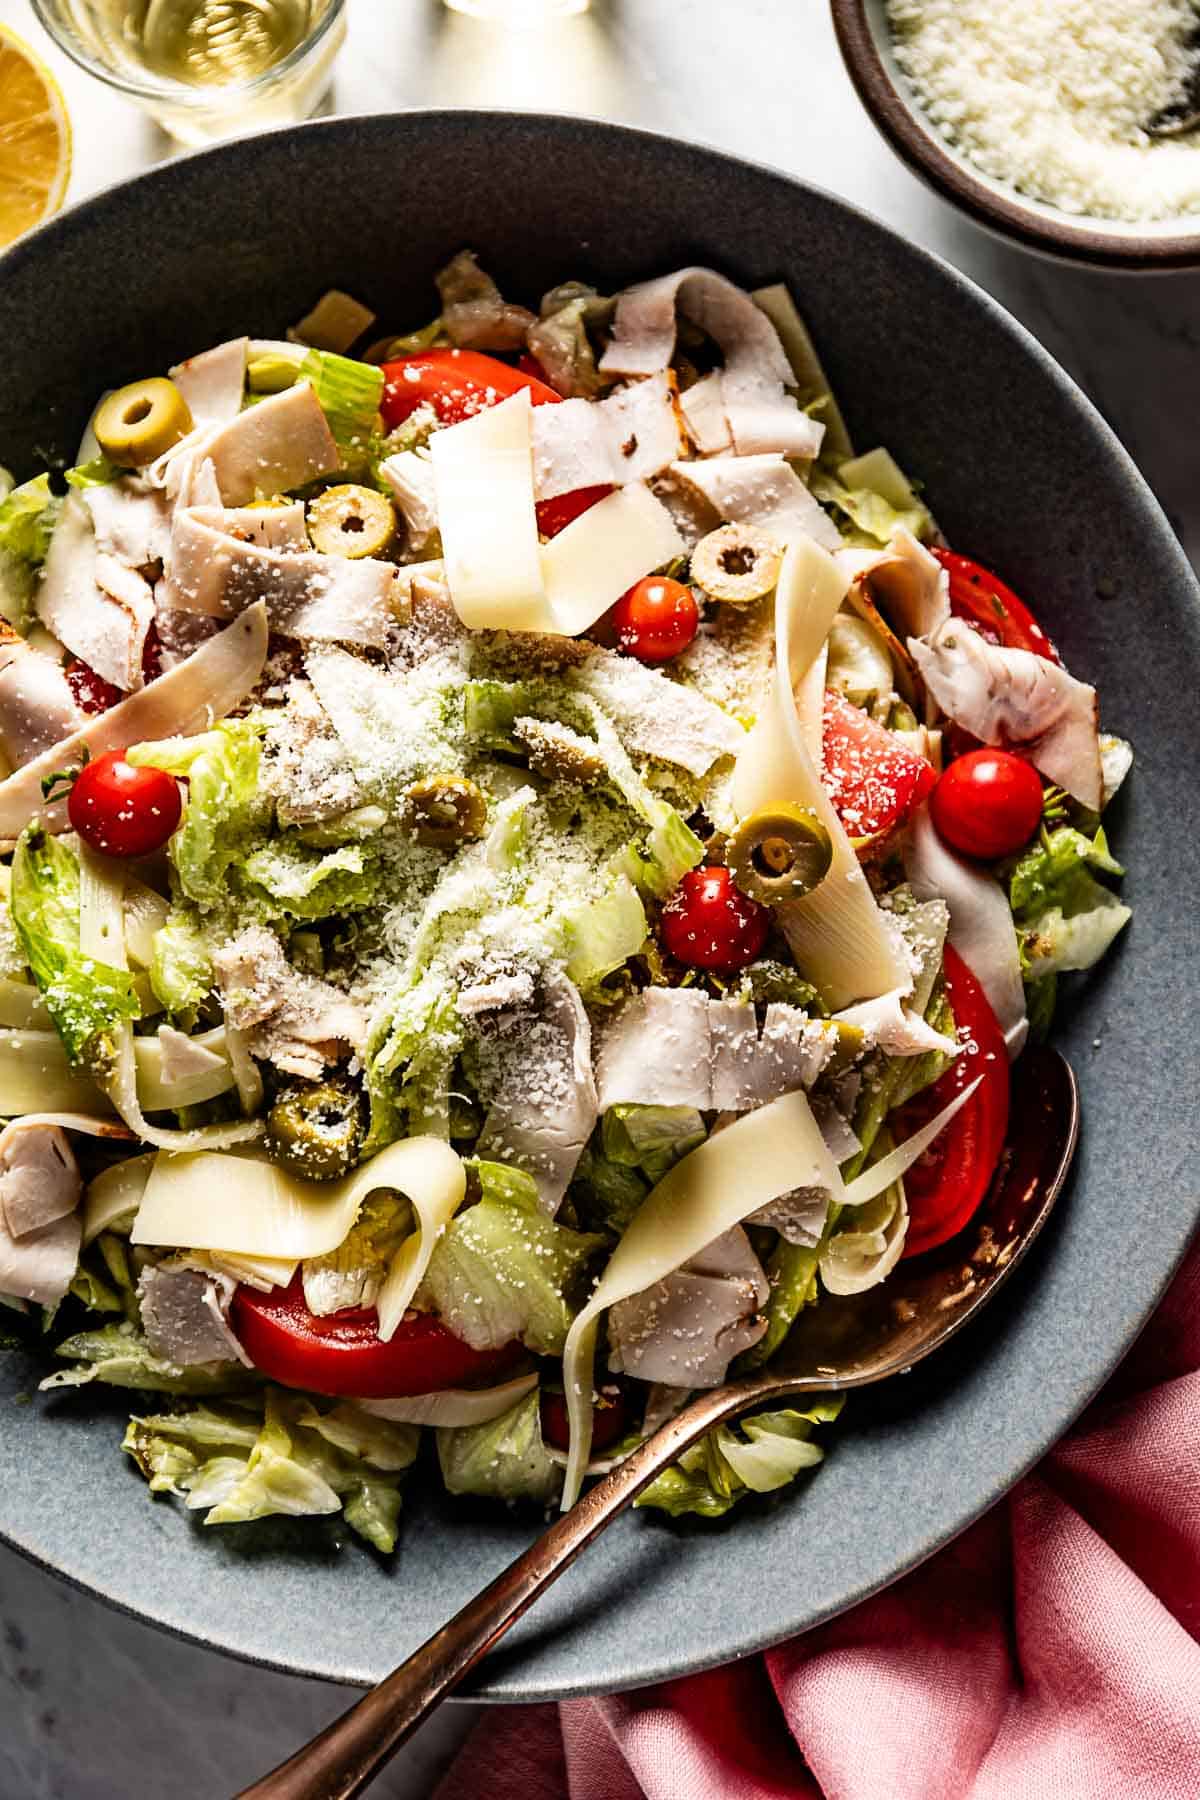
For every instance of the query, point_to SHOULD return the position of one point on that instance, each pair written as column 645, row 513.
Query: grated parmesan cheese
column 1053, row 97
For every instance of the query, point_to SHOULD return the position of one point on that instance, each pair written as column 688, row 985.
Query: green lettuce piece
column 97, row 473
column 118, row 1357
column 769, row 982
column 349, row 393
column 281, row 1455
column 866, row 516
column 651, row 1139
column 224, row 803
column 503, row 1459
column 86, row 999
column 1065, row 918
column 758, row 1455
column 603, row 934
column 27, row 519
column 300, row 883
column 353, row 1274
column 606, row 1194
column 503, row 1270
column 181, row 966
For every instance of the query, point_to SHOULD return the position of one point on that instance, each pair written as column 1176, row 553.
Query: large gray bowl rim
column 1024, row 473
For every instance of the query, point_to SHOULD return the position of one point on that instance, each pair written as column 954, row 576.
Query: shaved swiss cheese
column 837, row 934
column 246, row 1206
column 483, row 473
column 588, row 566
column 760, row 490
column 752, row 1162
column 435, row 1180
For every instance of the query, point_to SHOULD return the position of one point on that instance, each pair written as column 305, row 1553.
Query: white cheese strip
column 734, row 1172
column 452, row 1407
column 889, row 1168
column 212, row 383
column 430, row 1174
column 247, row 1206
column 981, row 923
column 588, row 566
column 629, row 436
column 187, row 699
column 483, row 473
column 760, row 490
column 113, row 1196
column 837, row 934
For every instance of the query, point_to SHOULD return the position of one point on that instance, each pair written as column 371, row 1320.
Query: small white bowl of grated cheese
column 1054, row 124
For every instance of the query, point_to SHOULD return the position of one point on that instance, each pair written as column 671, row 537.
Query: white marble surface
column 94, row 1706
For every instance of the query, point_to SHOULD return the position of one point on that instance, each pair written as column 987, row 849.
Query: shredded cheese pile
column 1053, row 97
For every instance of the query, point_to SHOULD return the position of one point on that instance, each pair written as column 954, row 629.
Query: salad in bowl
column 527, row 861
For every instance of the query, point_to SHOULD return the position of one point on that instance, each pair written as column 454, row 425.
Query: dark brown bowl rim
column 895, row 120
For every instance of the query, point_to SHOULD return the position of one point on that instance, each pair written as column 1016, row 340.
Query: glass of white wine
column 205, row 69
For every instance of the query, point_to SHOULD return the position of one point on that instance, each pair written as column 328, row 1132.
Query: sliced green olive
column 779, row 854
column 351, row 521
column 138, row 423
column 737, row 564
column 445, row 810
column 315, row 1127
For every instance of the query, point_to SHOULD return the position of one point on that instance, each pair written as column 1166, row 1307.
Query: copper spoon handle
column 339, row 1763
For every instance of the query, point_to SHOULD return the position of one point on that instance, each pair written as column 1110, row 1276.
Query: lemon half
column 35, row 139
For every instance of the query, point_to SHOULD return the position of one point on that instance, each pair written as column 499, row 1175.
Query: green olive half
column 444, row 811
column 138, row 423
column 779, row 854
column 351, row 521
column 315, row 1127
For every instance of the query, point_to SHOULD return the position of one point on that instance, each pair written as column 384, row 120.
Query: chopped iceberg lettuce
column 603, row 934
column 651, row 1139
column 180, row 965
column 299, row 883
column 349, row 393
column 606, row 1194
column 280, row 1455
column 871, row 499
column 757, row 1455
column 27, row 518
column 503, row 1459
column 86, row 999
column 1065, row 918
column 118, row 1356
column 224, row 802
column 504, row 1270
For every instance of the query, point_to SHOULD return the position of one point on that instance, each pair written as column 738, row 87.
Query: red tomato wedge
column 873, row 781
column 609, row 1421
column 978, row 595
column 946, row 1185
column 342, row 1354
column 460, row 383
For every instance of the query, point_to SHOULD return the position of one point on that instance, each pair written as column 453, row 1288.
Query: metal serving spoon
column 843, row 1343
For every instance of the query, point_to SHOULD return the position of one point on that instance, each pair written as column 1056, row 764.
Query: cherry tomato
column 92, row 693
column 978, row 595
column 460, row 383
column 946, row 1185
column 342, row 1353
column 608, row 1420
column 987, row 803
column 873, row 781
column 655, row 619
column 123, row 811
column 709, row 923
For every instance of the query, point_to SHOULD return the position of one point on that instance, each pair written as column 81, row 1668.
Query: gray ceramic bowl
column 1024, row 474
column 865, row 41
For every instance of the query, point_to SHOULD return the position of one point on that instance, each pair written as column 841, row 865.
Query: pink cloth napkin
column 1051, row 1653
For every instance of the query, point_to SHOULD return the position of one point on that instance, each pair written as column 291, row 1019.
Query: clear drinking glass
column 519, row 12
column 205, row 69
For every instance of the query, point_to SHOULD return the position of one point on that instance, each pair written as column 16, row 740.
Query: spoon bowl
column 849, row 1341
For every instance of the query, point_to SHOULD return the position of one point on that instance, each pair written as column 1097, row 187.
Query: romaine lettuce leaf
column 605, row 1194
column 181, row 966
column 504, row 1459
column 603, row 934
column 97, row 473
column 86, row 999
column 651, row 1139
column 298, row 883
column 349, row 393
column 503, row 1270
column 866, row 517
column 757, row 1455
